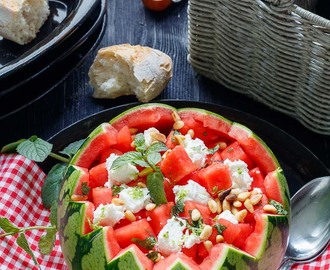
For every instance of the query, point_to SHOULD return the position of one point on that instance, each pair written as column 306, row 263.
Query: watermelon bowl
column 157, row 187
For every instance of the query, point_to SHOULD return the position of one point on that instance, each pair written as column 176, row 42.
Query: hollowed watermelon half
column 193, row 189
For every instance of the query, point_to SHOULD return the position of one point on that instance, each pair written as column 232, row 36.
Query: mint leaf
column 177, row 208
column 72, row 148
column 128, row 157
column 147, row 243
column 139, row 142
column 47, row 242
column 7, row 226
column 35, row 149
column 220, row 228
column 153, row 158
column 52, row 185
column 53, row 214
column 157, row 147
column 23, row 243
column 11, row 147
column 155, row 184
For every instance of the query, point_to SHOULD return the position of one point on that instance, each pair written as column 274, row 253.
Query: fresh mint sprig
column 38, row 150
column 147, row 157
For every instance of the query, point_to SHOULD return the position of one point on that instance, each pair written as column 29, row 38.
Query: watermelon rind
column 126, row 260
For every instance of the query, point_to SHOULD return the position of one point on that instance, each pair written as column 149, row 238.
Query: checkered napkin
column 20, row 202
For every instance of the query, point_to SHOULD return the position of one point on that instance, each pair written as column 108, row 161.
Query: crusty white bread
column 21, row 20
column 130, row 70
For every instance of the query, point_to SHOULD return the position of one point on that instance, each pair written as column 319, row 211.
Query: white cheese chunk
column 108, row 213
column 241, row 180
column 135, row 198
column 123, row 174
column 196, row 150
column 227, row 215
column 191, row 192
column 170, row 238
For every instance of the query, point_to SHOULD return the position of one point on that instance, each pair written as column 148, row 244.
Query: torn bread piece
column 21, row 20
column 130, row 70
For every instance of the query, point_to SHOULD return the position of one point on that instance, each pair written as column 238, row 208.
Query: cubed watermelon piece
column 235, row 152
column 98, row 175
column 159, row 216
column 101, row 195
column 177, row 164
column 215, row 178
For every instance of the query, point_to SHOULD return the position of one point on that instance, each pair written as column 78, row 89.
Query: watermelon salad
column 163, row 188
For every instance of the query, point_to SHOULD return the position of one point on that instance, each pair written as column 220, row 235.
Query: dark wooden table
column 129, row 22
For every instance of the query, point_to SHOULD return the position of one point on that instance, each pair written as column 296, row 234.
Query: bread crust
column 21, row 20
column 126, row 69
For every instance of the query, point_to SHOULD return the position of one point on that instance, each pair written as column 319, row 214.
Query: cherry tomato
column 157, row 5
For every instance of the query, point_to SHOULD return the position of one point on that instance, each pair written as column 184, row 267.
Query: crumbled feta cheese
column 147, row 135
column 191, row 192
column 239, row 175
column 135, row 198
column 196, row 150
column 123, row 174
column 228, row 216
column 108, row 213
column 170, row 238
column 190, row 239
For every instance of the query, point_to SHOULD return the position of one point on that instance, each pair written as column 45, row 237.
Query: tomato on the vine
column 157, row 5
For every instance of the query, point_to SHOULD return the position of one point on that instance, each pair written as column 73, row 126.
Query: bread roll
column 20, row 20
column 130, row 70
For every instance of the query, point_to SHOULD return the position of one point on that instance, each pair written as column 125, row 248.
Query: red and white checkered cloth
column 20, row 202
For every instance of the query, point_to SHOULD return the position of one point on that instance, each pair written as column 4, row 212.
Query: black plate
column 65, row 18
column 33, row 86
column 299, row 164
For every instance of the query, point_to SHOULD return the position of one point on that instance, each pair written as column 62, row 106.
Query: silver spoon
column 310, row 223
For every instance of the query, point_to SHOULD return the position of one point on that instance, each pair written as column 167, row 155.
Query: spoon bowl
column 310, row 222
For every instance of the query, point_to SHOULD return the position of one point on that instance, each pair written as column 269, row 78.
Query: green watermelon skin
column 84, row 251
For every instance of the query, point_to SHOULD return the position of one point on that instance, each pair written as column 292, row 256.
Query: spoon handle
column 286, row 264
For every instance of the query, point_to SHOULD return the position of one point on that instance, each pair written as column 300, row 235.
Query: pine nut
column 213, row 206
column 191, row 132
column 219, row 206
column 156, row 136
column 130, row 216
column 178, row 125
column 206, row 233
column 270, row 209
column 241, row 215
column 208, row 245
column 222, row 145
column 150, row 206
column 243, row 196
column 223, row 194
column 195, row 215
column 176, row 116
column 133, row 130
column 117, row 201
column 255, row 199
column 179, row 139
column 141, row 185
column 237, row 204
column 76, row 198
column 231, row 197
column 234, row 210
column 219, row 239
column 225, row 205
column 248, row 205
column 145, row 172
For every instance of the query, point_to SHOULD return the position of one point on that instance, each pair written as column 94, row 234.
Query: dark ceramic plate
column 45, row 73
column 299, row 164
column 65, row 18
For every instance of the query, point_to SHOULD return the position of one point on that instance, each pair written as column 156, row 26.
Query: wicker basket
column 274, row 51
